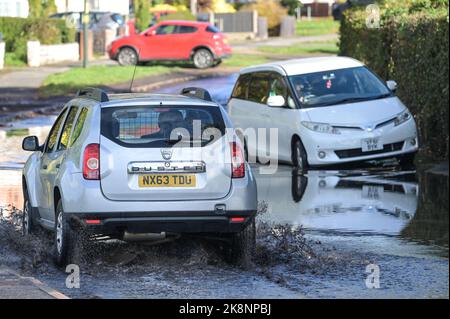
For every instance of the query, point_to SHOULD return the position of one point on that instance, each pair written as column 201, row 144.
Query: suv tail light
column 237, row 161
column 91, row 162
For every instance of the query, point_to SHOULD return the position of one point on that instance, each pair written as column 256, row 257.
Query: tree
column 290, row 5
column 48, row 8
column 142, row 14
column 41, row 8
column 35, row 8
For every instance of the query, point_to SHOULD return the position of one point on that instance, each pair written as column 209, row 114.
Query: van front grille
column 356, row 152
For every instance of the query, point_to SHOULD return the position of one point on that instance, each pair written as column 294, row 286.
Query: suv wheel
column 68, row 240
column 127, row 56
column 62, row 237
column 28, row 226
column 299, row 159
column 203, row 59
column 242, row 245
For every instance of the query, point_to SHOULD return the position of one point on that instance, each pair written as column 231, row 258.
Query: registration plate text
column 167, row 180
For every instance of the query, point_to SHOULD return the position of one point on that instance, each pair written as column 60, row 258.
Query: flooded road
column 220, row 88
column 318, row 236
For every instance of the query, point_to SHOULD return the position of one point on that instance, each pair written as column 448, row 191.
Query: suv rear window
column 162, row 126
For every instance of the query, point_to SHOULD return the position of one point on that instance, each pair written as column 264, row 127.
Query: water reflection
column 219, row 87
column 11, row 153
column 12, row 157
column 11, row 188
column 358, row 203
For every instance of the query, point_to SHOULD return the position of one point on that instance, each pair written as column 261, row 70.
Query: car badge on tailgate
column 166, row 154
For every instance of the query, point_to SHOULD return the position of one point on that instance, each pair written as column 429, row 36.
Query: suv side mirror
column 392, row 85
column 31, row 143
column 276, row 101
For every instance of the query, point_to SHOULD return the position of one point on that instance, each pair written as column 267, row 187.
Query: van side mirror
column 276, row 101
column 31, row 143
column 392, row 85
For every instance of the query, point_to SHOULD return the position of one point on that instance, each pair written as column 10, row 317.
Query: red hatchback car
column 199, row 42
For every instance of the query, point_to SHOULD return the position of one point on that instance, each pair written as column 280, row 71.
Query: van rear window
column 162, row 126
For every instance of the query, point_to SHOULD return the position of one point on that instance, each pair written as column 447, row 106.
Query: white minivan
column 327, row 110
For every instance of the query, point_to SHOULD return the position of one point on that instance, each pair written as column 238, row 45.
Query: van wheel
column 203, row 59
column 242, row 245
column 127, row 56
column 299, row 158
column 28, row 226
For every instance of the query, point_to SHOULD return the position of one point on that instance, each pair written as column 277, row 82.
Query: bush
column 17, row 31
column 411, row 47
column 142, row 14
column 270, row 9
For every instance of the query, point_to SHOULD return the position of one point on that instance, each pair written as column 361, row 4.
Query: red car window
column 166, row 29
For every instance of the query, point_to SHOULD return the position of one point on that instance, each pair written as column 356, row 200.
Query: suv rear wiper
column 190, row 141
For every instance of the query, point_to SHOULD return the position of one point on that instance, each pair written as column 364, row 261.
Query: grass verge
column 239, row 60
column 11, row 59
column 72, row 80
column 316, row 26
column 308, row 48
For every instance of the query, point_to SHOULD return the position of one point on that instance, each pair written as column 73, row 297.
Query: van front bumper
column 328, row 149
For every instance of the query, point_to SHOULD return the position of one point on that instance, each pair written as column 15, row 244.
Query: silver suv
column 125, row 165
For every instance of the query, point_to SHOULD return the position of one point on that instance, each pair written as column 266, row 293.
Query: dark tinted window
column 78, row 126
column 65, row 134
column 161, row 126
column 53, row 135
column 186, row 29
column 240, row 89
column 166, row 29
column 258, row 89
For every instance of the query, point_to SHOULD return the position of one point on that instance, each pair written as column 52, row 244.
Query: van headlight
column 402, row 118
column 321, row 127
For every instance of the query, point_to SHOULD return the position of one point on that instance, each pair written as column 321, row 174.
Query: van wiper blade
column 357, row 99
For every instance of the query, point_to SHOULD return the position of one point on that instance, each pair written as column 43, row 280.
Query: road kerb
column 31, row 286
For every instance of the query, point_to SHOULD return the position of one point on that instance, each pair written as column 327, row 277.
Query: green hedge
column 411, row 46
column 17, row 31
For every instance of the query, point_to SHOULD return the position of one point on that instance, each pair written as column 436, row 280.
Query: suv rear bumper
column 157, row 222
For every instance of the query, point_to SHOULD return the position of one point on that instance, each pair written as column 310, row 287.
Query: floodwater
column 319, row 235
column 219, row 88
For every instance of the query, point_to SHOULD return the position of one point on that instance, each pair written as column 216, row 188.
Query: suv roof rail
column 94, row 94
column 197, row 93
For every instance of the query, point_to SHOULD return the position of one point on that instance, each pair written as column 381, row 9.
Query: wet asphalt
column 319, row 235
